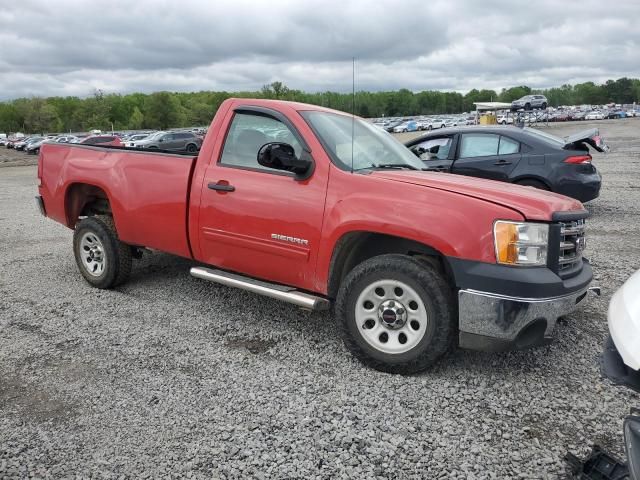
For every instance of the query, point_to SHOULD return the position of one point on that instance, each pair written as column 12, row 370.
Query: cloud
column 71, row 47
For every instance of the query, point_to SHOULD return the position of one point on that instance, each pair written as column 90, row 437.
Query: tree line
column 162, row 110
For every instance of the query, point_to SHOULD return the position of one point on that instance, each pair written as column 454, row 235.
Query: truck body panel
column 147, row 191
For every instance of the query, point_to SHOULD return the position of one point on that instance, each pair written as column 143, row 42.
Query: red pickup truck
column 318, row 208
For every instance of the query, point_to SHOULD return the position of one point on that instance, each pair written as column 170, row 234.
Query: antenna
column 353, row 106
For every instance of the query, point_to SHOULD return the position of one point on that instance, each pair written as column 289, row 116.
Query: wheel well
column 537, row 179
column 83, row 200
column 356, row 247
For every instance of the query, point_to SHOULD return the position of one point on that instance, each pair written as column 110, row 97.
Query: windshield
column 371, row 146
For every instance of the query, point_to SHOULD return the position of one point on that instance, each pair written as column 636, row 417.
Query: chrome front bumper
column 496, row 322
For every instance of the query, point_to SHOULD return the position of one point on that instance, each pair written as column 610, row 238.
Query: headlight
column 521, row 243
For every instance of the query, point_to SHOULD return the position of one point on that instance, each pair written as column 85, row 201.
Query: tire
column 527, row 106
column 191, row 148
column 544, row 105
column 428, row 332
column 430, row 127
column 110, row 259
column 530, row 182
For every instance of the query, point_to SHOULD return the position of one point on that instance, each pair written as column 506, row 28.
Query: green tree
column 163, row 110
column 136, row 120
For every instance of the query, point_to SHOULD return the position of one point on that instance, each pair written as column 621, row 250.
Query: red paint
column 163, row 202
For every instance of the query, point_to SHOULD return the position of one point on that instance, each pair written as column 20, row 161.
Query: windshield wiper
column 395, row 165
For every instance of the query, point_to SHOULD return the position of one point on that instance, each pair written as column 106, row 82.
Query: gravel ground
column 173, row 376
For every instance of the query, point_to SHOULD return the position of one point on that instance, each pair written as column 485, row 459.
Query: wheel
column 430, row 128
column 530, row 182
column 544, row 105
column 396, row 314
column 104, row 261
column 527, row 106
column 191, row 148
column 503, row 122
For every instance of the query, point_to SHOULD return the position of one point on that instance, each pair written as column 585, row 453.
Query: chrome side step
column 279, row 292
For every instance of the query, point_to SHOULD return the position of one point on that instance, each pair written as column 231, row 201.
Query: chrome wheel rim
column 391, row 316
column 92, row 254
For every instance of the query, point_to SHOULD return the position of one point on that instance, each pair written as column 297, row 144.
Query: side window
column 479, row 145
column 508, row 146
column 168, row 137
column 249, row 132
column 433, row 149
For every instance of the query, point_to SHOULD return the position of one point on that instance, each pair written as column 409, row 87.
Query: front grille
column 572, row 244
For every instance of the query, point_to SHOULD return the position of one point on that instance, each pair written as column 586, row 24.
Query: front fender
column 453, row 224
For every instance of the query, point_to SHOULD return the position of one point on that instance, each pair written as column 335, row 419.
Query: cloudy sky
column 68, row 47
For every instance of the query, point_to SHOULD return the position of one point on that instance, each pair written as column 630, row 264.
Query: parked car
column 594, row 115
column 413, row 261
column 504, row 119
column 12, row 140
column 523, row 156
column 577, row 115
column 171, row 141
column 389, row 126
column 34, row 146
column 616, row 114
column 66, row 139
column 23, row 144
column 102, row 141
column 424, row 124
column 621, row 360
column 439, row 123
column 131, row 140
column 530, row 102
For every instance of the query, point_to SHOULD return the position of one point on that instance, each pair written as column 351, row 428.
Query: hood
column 531, row 203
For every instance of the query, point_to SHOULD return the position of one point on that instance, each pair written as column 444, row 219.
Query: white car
column 624, row 321
column 504, row 119
column 131, row 141
column 424, row 124
column 594, row 116
column 440, row 123
column 620, row 361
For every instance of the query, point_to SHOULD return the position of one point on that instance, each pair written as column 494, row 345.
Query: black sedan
column 525, row 156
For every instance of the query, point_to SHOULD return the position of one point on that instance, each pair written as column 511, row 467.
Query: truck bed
column 148, row 191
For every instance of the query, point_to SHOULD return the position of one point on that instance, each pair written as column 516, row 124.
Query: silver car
column 530, row 102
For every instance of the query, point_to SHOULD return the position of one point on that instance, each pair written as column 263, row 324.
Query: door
column 486, row 155
column 255, row 220
column 436, row 153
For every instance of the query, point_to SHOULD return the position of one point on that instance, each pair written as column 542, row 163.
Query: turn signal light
column 521, row 243
column 506, row 240
column 578, row 159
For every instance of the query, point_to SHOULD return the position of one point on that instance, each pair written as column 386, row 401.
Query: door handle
column 502, row 162
column 221, row 187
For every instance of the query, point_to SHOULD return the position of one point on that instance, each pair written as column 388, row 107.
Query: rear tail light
column 578, row 159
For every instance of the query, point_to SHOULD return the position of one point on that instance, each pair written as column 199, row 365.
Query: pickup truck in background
column 318, row 208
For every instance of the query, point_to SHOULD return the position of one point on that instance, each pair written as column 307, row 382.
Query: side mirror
column 161, row 140
column 282, row 156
